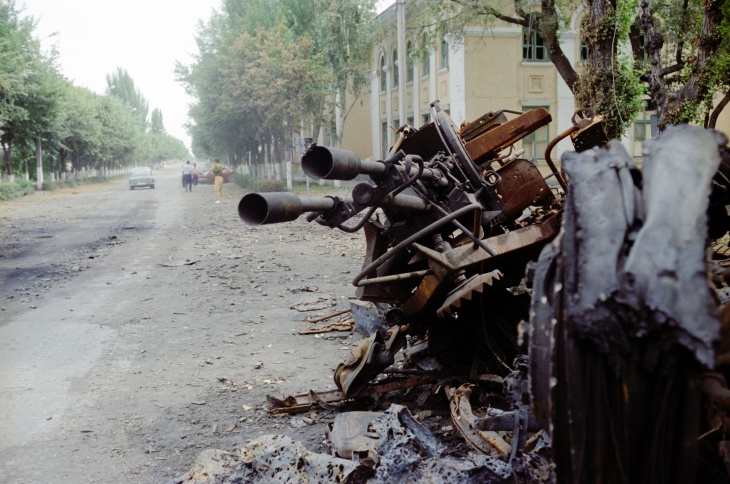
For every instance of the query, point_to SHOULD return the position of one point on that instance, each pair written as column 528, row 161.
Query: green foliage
column 266, row 66
column 156, row 124
column 73, row 123
column 608, row 82
column 258, row 184
column 268, row 185
column 16, row 189
column 121, row 86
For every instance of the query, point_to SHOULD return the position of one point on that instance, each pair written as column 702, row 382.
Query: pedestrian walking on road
column 218, row 172
column 194, row 173
column 187, row 177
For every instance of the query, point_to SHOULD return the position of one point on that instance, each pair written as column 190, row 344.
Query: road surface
column 139, row 327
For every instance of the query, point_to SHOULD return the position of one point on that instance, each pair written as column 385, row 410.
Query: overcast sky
column 145, row 37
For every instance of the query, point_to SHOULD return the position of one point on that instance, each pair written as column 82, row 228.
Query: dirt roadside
column 138, row 328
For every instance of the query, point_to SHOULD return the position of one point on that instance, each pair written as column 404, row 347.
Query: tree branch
column 680, row 44
column 718, row 109
column 488, row 10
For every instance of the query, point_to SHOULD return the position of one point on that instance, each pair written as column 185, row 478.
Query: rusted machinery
column 444, row 219
column 452, row 219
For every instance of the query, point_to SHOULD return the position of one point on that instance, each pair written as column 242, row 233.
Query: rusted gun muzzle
column 271, row 208
column 323, row 162
column 336, row 164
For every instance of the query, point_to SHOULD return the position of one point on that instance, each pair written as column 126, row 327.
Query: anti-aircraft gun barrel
column 271, row 208
column 324, row 162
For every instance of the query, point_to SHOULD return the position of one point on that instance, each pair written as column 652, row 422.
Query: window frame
column 532, row 44
column 396, row 79
column 383, row 77
column 443, row 53
column 409, row 61
column 426, row 62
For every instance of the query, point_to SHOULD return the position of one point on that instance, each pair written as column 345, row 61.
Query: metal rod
column 421, row 233
column 549, row 160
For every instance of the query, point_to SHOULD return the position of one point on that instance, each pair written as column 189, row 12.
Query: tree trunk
column 8, row 156
column 52, row 167
column 75, row 164
column 548, row 30
column 38, row 163
column 681, row 106
column 26, row 169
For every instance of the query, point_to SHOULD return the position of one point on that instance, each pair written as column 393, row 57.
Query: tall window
column 383, row 80
column 444, row 53
column 395, row 68
column 583, row 52
column 425, row 61
column 384, row 140
column 533, row 47
column 642, row 127
column 409, row 61
column 642, row 132
column 536, row 142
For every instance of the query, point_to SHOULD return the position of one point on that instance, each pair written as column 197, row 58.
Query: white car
column 141, row 177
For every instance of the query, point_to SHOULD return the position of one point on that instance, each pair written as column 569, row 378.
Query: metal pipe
column 324, row 162
column 395, row 277
column 549, row 160
column 365, row 194
column 270, row 208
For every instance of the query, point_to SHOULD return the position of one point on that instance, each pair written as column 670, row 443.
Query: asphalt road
column 140, row 327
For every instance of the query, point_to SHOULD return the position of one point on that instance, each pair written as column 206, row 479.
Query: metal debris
column 617, row 313
column 272, row 458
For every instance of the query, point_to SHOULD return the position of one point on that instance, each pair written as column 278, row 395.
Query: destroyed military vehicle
column 581, row 293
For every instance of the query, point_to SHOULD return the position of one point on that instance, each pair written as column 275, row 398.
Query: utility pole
column 402, row 61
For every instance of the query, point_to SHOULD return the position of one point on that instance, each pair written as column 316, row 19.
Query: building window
column 395, row 68
column 536, row 142
column 383, row 80
column 533, row 47
column 384, row 140
column 583, row 52
column 444, row 51
column 409, row 121
column 409, row 62
column 425, row 61
column 425, row 119
column 642, row 129
column 642, row 132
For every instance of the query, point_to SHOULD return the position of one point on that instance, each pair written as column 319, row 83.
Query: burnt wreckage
column 587, row 301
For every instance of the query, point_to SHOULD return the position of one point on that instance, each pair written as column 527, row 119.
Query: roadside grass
column 315, row 189
column 22, row 187
column 16, row 189
column 253, row 184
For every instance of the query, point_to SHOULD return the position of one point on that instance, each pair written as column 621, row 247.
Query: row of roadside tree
column 268, row 70
column 73, row 128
